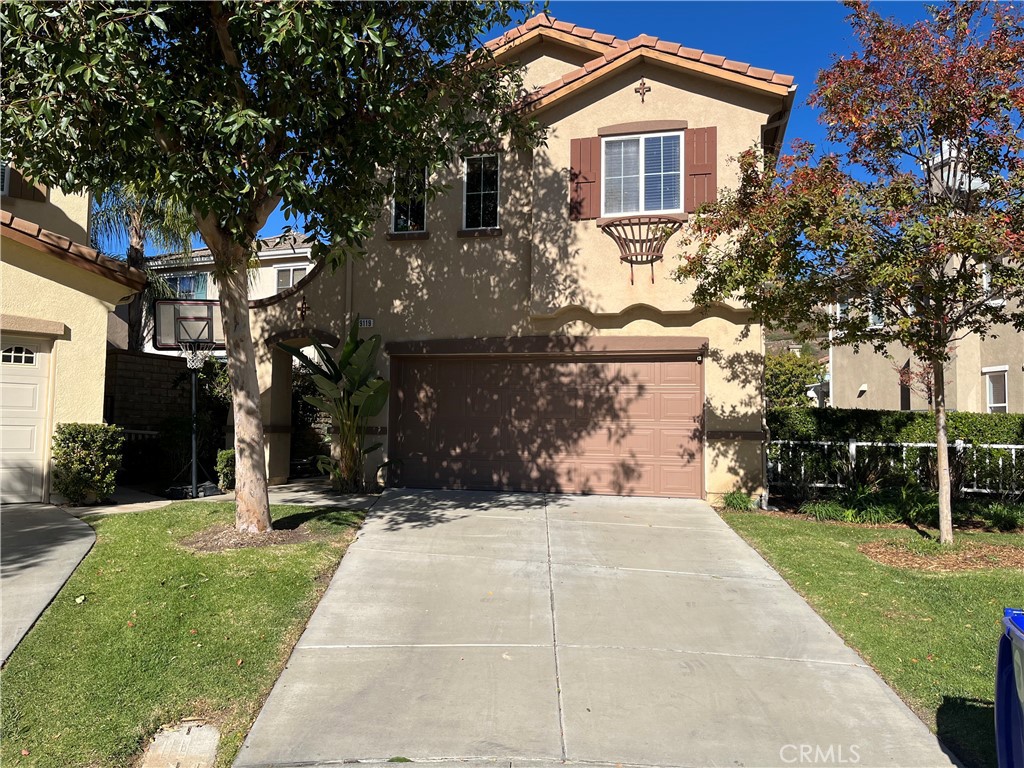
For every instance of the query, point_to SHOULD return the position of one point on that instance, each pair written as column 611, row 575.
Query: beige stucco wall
column 966, row 387
column 546, row 63
column 65, row 214
column 547, row 275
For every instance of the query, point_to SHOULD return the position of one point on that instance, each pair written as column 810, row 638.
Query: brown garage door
column 592, row 420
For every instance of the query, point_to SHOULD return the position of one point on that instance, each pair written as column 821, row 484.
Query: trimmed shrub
column 86, row 458
column 839, row 424
column 226, row 469
column 738, row 501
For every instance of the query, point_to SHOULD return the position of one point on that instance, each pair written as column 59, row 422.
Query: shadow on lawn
column 967, row 726
column 336, row 517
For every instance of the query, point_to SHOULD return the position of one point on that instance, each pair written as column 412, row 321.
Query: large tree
column 914, row 225
column 237, row 108
column 122, row 214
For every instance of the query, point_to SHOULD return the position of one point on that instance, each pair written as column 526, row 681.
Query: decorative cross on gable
column 643, row 89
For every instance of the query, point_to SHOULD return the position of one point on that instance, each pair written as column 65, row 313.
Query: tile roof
column 617, row 48
column 64, row 248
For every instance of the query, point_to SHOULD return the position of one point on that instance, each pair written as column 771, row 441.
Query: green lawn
column 147, row 633
column 932, row 636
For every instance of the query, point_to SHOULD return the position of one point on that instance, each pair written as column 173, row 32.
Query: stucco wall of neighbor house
column 877, row 373
column 39, row 286
column 65, row 214
column 544, row 274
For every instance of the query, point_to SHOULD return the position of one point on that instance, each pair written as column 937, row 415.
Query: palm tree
column 121, row 213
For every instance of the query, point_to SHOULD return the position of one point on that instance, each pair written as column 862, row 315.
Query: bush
column 839, row 424
column 738, row 501
column 226, row 469
column 1004, row 516
column 86, row 458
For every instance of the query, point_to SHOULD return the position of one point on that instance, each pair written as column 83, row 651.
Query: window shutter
column 585, row 179
column 20, row 187
column 701, row 167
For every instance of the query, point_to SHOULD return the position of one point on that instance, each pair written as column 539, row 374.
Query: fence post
column 853, row 452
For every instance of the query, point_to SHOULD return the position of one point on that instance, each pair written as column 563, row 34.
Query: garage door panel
column 678, row 407
column 597, row 426
column 19, row 439
column 19, row 397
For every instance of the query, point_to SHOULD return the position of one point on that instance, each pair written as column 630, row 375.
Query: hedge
column 86, row 458
column 840, row 424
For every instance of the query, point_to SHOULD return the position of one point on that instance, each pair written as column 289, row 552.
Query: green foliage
column 841, row 424
column 86, row 458
column 1005, row 516
column 243, row 106
column 787, row 378
column 352, row 392
column 226, row 469
column 738, row 501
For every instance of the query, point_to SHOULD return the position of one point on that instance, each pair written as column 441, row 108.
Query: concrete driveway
column 516, row 628
column 40, row 547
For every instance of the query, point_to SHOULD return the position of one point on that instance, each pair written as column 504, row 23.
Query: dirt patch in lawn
column 218, row 538
column 962, row 557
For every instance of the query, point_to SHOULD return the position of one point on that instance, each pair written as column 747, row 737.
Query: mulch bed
column 964, row 557
column 218, row 538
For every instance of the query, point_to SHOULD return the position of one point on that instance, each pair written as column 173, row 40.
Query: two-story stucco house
column 57, row 295
column 527, row 347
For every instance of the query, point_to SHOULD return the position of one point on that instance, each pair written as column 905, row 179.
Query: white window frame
column 391, row 227
column 990, row 373
column 290, row 269
column 178, row 276
column 6, row 180
column 641, row 137
column 465, row 190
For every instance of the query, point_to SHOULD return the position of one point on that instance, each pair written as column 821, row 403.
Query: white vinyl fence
column 976, row 468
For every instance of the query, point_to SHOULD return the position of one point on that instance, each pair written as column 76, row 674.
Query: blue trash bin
column 1010, row 691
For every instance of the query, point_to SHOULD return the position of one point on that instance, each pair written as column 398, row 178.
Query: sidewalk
column 40, row 547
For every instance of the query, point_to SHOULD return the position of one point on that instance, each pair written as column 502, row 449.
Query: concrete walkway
column 40, row 547
column 530, row 629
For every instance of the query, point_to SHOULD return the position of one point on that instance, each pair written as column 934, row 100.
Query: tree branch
column 227, row 49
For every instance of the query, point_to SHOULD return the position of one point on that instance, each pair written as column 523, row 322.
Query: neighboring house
column 983, row 376
column 283, row 262
column 522, row 351
column 57, row 295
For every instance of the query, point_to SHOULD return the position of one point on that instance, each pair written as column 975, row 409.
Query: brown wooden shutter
column 20, row 187
column 701, row 167
column 585, row 179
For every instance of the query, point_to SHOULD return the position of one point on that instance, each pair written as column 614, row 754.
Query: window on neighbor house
column 192, row 286
column 289, row 276
column 996, row 387
column 18, row 355
column 642, row 174
column 409, row 203
column 5, row 179
column 481, row 184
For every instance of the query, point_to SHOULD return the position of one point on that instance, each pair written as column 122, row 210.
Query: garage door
column 24, row 374
column 617, row 422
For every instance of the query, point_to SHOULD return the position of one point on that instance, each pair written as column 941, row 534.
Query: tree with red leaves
column 916, row 225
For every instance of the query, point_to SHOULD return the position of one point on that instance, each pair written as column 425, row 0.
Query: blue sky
column 795, row 38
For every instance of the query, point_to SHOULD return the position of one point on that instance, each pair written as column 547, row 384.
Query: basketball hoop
column 195, row 339
column 641, row 239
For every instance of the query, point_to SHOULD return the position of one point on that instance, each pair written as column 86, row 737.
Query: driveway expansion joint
column 554, row 630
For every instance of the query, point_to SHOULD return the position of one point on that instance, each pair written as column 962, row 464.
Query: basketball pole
column 195, row 436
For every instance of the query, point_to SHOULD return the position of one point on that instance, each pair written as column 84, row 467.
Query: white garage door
column 24, row 374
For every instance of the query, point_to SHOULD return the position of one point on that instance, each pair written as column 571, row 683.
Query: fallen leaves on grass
column 963, row 557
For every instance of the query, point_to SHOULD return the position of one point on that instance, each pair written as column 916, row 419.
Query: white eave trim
column 995, row 369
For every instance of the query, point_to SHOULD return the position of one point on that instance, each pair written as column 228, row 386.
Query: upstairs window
column 5, row 179
column 481, row 185
column 192, row 286
column 289, row 276
column 996, row 387
column 409, row 203
column 642, row 174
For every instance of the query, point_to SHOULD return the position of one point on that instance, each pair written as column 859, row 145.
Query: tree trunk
column 252, row 505
column 942, row 448
column 136, row 258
